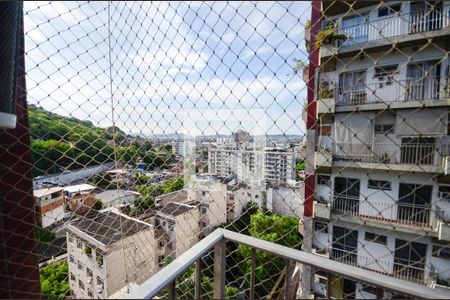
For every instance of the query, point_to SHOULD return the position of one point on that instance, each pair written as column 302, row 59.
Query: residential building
column 381, row 150
column 49, row 205
column 117, row 197
column 251, row 161
column 79, row 198
column 107, row 251
column 177, row 228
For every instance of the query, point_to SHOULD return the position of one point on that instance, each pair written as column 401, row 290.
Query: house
column 49, row 204
column 117, row 197
column 79, row 198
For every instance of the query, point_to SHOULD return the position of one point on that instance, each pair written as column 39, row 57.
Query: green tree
column 98, row 204
column 102, row 180
column 44, row 236
column 54, row 280
column 273, row 228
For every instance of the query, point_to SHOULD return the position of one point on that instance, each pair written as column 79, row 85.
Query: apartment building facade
column 107, row 251
column 381, row 146
column 251, row 162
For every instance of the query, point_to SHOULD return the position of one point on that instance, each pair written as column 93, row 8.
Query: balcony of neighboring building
column 412, row 154
column 381, row 25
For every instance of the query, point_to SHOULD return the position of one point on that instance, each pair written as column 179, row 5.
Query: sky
column 199, row 68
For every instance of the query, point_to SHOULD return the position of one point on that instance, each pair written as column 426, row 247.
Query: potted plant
column 328, row 35
column 385, row 158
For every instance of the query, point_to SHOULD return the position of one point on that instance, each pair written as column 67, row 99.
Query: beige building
column 108, row 250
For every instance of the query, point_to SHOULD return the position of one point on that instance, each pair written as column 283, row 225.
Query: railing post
column 198, row 279
column 287, row 288
column 253, row 275
column 171, row 288
column 219, row 270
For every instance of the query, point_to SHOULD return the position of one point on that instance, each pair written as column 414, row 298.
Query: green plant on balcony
column 328, row 35
column 324, row 149
column 87, row 250
column 325, row 92
column 308, row 24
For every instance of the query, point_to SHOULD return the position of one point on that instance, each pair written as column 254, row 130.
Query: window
column 441, row 251
column 80, row 245
column 80, row 265
column 204, row 210
column 323, row 180
column 376, row 238
column 369, row 289
column 72, row 259
column 231, row 197
column 81, row 284
column 89, row 272
column 161, row 244
column 389, row 10
column 379, row 184
column 90, row 294
column 203, row 193
column 161, row 260
column 72, row 277
column 99, row 259
column 384, row 128
column 325, row 130
column 382, row 71
column 55, row 195
column 320, row 227
column 99, row 281
column 87, row 250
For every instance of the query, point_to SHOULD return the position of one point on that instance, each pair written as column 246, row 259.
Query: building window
column 72, row 277
column 389, row 10
column 99, row 281
column 203, row 193
column 379, row 185
column 384, row 128
column 441, row 251
column 80, row 265
column 369, row 289
column 99, row 258
column 320, row 227
column 81, row 284
column 383, row 71
column 161, row 244
column 323, row 180
column 161, row 260
column 80, row 245
column 87, row 250
column 376, row 238
column 72, row 259
column 90, row 294
column 89, row 272
column 256, row 196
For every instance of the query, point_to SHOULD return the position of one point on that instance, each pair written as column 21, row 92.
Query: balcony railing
column 396, row 25
column 166, row 278
column 390, row 90
column 409, row 154
column 394, row 212
column 416, row 273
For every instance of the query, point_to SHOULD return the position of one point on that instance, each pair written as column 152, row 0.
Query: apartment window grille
column 72, row 259
column 80, row 265
column 375, row 238
column 72, row 277
column 99, row 259
column 384, row 129
column 379, row 184
column 80, row 245
column 89, row 272
column 389, row 10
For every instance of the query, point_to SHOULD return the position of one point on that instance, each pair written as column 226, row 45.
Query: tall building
column 380, row 152
column 250, row 161
column 108, row 251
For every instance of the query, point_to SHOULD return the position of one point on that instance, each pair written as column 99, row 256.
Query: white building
column 49, row 204
column 381, row 149
column 251, row 162
column 106, row 250
column 117, row 197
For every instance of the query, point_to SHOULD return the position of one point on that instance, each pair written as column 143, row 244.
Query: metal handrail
column 167, row 276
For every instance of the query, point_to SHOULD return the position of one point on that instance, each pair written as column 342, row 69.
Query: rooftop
column 78, row 188
column 47, row 191
column 176, row 209
column 111, row 195
column 108, row 226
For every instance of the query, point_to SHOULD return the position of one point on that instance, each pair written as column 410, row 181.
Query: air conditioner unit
column 9, row 41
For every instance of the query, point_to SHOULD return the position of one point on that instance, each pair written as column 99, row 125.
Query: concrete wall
column 287, row 201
